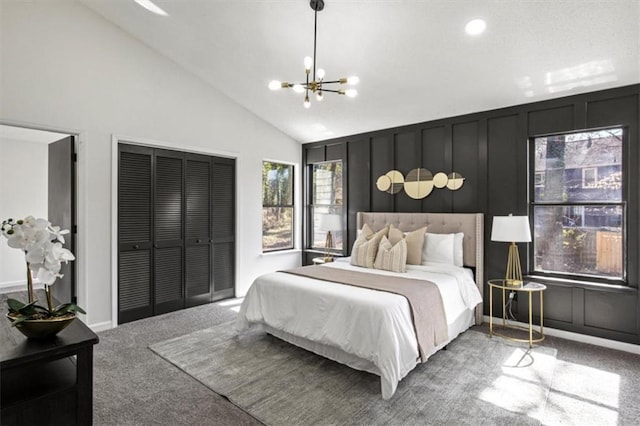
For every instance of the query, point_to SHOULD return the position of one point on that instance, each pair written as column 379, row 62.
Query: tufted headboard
column 471, row 224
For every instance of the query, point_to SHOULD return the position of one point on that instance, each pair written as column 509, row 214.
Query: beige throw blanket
column 424, row 299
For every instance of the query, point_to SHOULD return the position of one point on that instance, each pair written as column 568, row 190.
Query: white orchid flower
column 35, row 254
column 60, row 253
column 47, row 276
column 30, row 221
column 36, row 238
column 58, row 233
column 18, row 239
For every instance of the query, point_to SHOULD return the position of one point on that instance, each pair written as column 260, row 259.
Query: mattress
column 366, row 329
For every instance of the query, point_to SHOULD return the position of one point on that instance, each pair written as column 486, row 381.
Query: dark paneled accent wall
column 490, row 149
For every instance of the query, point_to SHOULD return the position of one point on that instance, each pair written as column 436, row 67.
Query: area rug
column 478, row 379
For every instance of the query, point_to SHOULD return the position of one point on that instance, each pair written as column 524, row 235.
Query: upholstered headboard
column 471, row 224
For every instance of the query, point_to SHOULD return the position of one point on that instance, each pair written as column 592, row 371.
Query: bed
column 367, row 329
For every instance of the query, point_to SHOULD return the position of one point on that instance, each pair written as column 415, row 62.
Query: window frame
column 623, row 203
column 291, row 206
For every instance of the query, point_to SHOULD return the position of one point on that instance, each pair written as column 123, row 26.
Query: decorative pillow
column 458, row 253
column 365, row 248
column 438, row 248
column 366, row 231
column 391, row 257
column 415, row 242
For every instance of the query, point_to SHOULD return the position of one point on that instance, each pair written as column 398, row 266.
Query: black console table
column 46, row 382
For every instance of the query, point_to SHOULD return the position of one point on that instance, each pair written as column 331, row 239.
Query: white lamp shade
column 511, row 229
column 330, row 222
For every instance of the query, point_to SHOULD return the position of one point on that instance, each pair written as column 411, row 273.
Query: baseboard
column 577, row 337
column 17, row 286
column 101, row 326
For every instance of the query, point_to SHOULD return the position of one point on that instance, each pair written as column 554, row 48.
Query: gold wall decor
column 440, row 180
column 383, row 183
column 419, row 182
column 391, row 182
column 455, row 181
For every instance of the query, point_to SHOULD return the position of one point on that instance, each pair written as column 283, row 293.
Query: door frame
column 80, row 264
column 134, row 140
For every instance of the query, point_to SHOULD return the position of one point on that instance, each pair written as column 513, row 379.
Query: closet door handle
column 136, row 246
column 198, row 241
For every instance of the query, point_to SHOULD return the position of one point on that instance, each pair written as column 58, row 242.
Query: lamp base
column 328, row 245
column 513, row 276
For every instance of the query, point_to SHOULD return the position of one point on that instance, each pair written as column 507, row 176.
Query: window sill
column 564, row 282
column 322, row 252
column 276, row 252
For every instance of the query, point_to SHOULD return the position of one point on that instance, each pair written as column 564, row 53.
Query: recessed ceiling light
column 151, row 7
column 475, row 27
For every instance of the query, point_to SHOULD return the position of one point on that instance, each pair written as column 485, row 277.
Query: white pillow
column 438, row 248
column 458, row 253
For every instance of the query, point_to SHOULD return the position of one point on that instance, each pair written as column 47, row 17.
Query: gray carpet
column 591, row 385
column 132, row 386
column 477, row 380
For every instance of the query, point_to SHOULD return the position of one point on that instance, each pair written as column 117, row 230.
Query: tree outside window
column 277, row 206
column 578, row 211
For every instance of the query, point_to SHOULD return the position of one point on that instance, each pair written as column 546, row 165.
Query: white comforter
column 373, row 325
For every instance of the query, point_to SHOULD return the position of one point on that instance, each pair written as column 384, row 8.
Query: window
column 326, row 199
column 589, row 177
column 578, row 212
column 277, row 206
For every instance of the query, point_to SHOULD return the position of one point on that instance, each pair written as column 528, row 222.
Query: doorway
column 37, row 178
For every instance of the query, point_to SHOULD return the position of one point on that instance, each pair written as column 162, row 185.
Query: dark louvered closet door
column 224, row 227
column 168, row 231
column 135, row 251
column 198, row 230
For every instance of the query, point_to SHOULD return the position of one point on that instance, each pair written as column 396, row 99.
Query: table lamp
column 512, row 229
column 328, row 223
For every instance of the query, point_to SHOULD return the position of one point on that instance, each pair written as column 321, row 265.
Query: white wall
column 23, row 192
column 66, row 68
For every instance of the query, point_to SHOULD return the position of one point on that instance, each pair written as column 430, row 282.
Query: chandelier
column 317, row 84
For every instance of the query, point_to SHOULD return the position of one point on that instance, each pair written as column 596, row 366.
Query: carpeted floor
column 134, row 386
column 281, row 384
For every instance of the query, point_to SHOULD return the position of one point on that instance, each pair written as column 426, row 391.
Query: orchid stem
column 47, row 289
column 30, row 284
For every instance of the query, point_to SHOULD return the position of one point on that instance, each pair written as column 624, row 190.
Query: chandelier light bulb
column 354, row 79
column 307, row 103
column 319, row 96
column 275, row 85
column 352, row 93
column 320, row 73
column 298, row 88
column 307, row 63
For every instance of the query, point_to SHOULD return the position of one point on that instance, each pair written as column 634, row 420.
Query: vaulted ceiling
column 413, row 57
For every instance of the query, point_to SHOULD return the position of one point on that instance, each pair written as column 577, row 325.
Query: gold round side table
column 535, row 336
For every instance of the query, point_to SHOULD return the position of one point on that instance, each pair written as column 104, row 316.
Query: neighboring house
column 591, row 171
